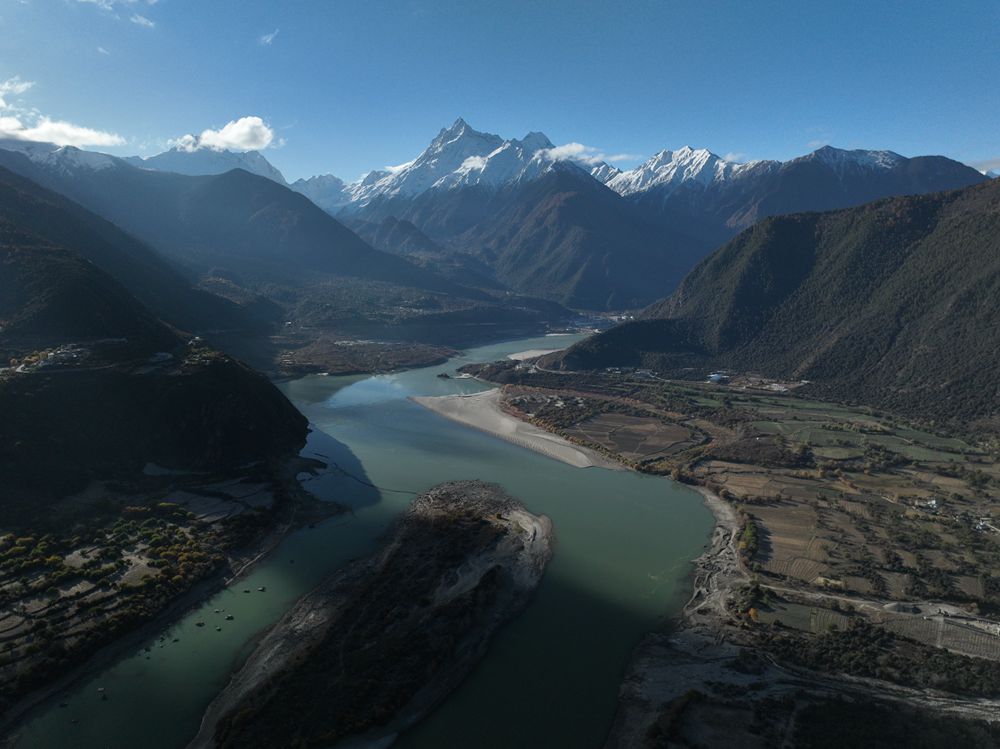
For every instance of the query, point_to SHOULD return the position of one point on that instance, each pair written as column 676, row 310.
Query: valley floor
column 854, row 558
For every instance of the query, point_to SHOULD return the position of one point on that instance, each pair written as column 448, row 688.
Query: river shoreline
column 656, row 671
column 413, row 580
column 482, row 411
column 238, row 566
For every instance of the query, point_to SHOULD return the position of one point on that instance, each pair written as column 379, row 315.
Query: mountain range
column 272, row 252
column 482, row 213
column 890, row 304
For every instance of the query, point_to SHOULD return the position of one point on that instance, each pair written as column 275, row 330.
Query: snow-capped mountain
column 65, row 159
column 843, row 161
column 460, row 156
column 328, row 192
column 672, row 168
column 668, row 170
column 69, row 159
column 604, row 172
column 209, row 161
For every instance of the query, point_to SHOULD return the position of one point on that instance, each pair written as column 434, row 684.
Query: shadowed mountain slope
column 893, row 303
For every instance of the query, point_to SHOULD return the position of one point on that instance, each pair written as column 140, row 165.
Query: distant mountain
column 474, row 193
column 328, row 192
column 499, row 211
column 208, row 161
column 566, row 237
column 396, row 235
column 248, row 237
column 893, row 304
column 714, row 199
column 246, row 225
column 542, row 226
column 668, row 170
column 98, row 381
column 458, row 157
column 146, row 275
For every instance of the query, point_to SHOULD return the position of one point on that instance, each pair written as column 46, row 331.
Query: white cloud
column 734, row 156
column 28, row 124
column 244, row 134
column 623, row 157
column 102, row 51
column 184, row 143
column 102, row 4
column 398, row 167
column 587, row 155
column 266, row 39
column 112, row 4
column 988, row 165
column 570, row 152
column 60, row 132
column 141, row 21
column 817, row 143
column 13, row 86
column 473, row 163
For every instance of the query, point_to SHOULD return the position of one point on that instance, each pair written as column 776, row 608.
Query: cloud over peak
column 244, row 134
column 582, row 154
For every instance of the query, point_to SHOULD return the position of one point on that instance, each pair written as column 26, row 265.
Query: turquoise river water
column 623, row 551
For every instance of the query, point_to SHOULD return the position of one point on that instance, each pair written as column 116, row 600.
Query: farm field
column 848, row 506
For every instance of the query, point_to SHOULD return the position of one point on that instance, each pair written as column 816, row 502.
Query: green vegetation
column 890, row 304
column 95, row 569
column 748, row 541
column 865, row 650
column 835, row 724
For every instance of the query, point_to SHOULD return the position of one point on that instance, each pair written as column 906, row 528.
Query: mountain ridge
column 891, row 303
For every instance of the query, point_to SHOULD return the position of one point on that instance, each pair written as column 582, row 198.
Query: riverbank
column 664, row 665
column 692, row 651
column 482, row 411
column 297, row 509
column 388, row 637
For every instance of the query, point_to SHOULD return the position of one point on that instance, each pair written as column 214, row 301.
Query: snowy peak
column 459, row 156
column 534, row 141
column 670, row 169
column 66, row 159
column 842, row 160
column 328, row 192
column 604, row 172
column 208, row 161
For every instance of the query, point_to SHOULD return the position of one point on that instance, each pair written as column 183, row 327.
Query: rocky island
column 381, row 642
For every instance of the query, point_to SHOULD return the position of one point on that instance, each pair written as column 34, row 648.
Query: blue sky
column 345, row 86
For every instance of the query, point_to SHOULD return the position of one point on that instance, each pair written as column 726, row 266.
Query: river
column 623, row 551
